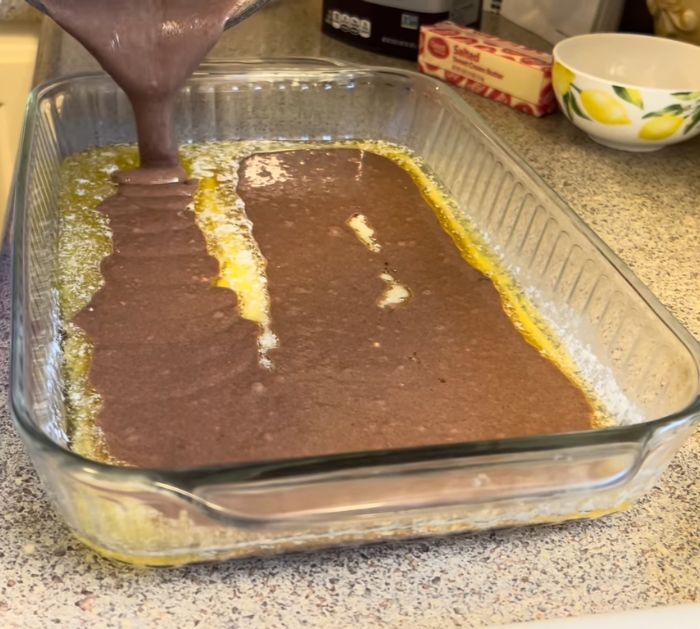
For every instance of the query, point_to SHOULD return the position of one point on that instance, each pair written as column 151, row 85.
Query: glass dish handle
column 435, row 484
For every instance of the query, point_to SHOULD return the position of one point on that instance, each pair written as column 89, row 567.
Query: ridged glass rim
column 300, row 68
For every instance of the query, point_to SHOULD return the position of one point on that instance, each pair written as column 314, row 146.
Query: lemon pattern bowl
column 629, row 92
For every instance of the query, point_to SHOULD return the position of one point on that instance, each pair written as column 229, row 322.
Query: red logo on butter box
column 452, row 77
column 438, row 47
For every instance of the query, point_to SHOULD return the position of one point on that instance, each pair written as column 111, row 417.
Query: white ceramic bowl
column 630, row 92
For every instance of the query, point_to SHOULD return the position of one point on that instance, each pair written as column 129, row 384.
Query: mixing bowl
column 629, row 92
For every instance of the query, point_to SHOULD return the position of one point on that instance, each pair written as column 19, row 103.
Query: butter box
column 496, row 68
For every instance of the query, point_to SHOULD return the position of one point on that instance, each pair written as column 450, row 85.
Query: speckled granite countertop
column 646, row 207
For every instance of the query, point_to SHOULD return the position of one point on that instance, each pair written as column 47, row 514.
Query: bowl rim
column 664, row 41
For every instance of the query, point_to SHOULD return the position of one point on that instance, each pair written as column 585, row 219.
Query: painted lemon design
column 562, row 78
column 661, row 127
column 604, row 107
column 634, row 97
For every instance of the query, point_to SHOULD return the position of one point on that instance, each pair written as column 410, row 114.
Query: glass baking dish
column 642, row 362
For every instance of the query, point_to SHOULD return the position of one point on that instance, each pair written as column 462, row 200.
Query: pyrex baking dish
column 641, row 361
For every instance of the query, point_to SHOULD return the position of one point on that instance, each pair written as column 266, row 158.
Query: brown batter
column 178, row 370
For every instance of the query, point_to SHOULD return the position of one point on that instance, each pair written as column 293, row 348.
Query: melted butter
column 228, row 232
column 360, row 226
column 394, row 294
column 85, row 239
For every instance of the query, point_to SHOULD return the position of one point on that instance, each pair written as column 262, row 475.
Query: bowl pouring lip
column 611, row 38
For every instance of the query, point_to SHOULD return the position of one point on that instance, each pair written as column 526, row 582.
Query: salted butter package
column 496, row 68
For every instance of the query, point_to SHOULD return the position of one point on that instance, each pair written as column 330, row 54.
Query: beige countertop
column 17, row 11
column 645, row 206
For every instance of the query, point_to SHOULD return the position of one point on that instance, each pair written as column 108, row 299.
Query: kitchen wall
column 19, row 37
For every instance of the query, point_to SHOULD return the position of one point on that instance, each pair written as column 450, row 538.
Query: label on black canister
column 391, row 30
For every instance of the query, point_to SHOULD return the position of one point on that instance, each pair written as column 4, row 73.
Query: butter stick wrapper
column 498, row 69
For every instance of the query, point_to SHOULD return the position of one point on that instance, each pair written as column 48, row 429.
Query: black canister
column 391, row 27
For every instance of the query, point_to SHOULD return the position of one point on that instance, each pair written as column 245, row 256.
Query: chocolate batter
column 386, row 337
column 150, row 48
column 364, row 362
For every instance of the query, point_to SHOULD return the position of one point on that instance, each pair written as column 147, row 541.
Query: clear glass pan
column 581, row 289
